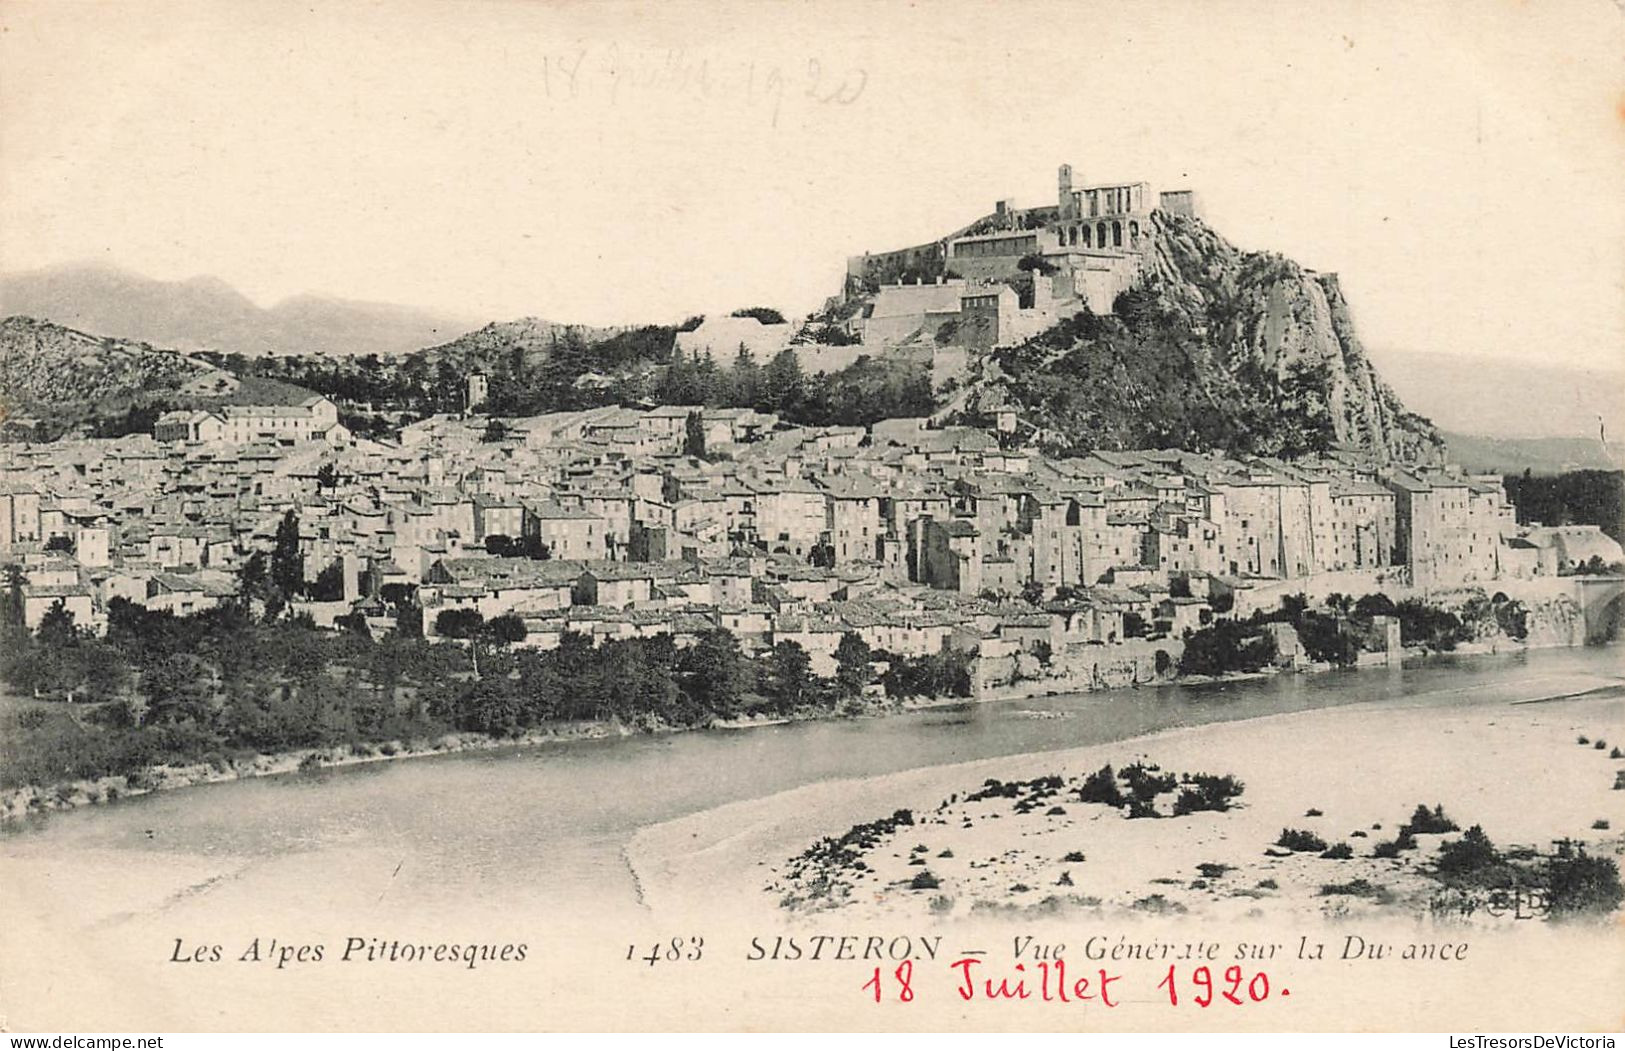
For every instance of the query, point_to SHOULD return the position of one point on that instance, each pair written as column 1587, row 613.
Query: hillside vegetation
column 68, row 378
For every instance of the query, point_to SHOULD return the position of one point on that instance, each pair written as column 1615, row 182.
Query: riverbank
column 19, row 804
column 1351, row 776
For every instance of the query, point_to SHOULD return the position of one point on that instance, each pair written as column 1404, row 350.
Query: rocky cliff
column 1287, row 320
column 1210, row 348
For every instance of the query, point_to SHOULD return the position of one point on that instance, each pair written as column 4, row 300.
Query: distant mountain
column 1483, row 455
column 1473, row 395
column 205, row 313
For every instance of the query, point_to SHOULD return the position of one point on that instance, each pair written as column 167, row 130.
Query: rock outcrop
column 1285, row 318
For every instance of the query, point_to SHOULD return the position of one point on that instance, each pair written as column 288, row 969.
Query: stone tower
column 1064, row 190
column 478, row 391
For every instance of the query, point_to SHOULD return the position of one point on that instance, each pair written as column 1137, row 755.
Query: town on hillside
column 623, row 522
column 954, row 533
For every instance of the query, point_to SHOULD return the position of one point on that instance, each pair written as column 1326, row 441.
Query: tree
column 712, row 672
column 745, row 379
column 492, row 706
column 329, row 584
column 458, row 623
column 505, row 630
column 11, row 615
column 781, row 381
column 327, row 477
column 852, row 670
column 287, row 562
column 56, row 626
column 694, row 436
column 495, row 431
column 789, row 676
column 179, row 688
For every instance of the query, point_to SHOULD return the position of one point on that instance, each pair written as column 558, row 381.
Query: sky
column 1462, row 166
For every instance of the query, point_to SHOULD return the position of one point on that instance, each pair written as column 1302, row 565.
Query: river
column 543, row 829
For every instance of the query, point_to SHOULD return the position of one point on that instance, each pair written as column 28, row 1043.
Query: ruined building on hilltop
column 1013, row 272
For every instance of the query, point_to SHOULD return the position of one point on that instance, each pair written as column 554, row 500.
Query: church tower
column 1064, row 191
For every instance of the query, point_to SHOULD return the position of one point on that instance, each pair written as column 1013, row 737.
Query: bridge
column 1602, row 600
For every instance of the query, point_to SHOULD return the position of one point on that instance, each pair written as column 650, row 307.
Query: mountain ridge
column 207, row 313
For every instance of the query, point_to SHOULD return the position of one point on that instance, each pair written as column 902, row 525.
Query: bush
column 1101, row 787
column 1359, row 888
column 1390, row 848
column 1339, row 852
column 1146, row 781
column 924, row 880
column 1429, row 822
column 1578, row 885
column 1207, row 792
column 1468, row 856
column 1300, row 840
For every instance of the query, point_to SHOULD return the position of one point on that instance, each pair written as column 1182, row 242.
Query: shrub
column 1101, row 787
column 1470, row 855
column 1207, row 792
column 1146, row 781
column 1359, row 888
column 1601, row 824
column 1339, row 852
column 1313, row 812
column 1615, row 753
column 1427, row 821
column 1300, row 840
column 1074, row 856
column 1600, row 745
column 1390, row 848
column 924, row 880
column 1582, row 739
column 1212, row 869
column 1579, row 885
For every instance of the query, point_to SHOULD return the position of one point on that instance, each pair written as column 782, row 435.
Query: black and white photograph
column 812, row 517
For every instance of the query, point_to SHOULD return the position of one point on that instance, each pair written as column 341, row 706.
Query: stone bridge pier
column 1602, row 600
